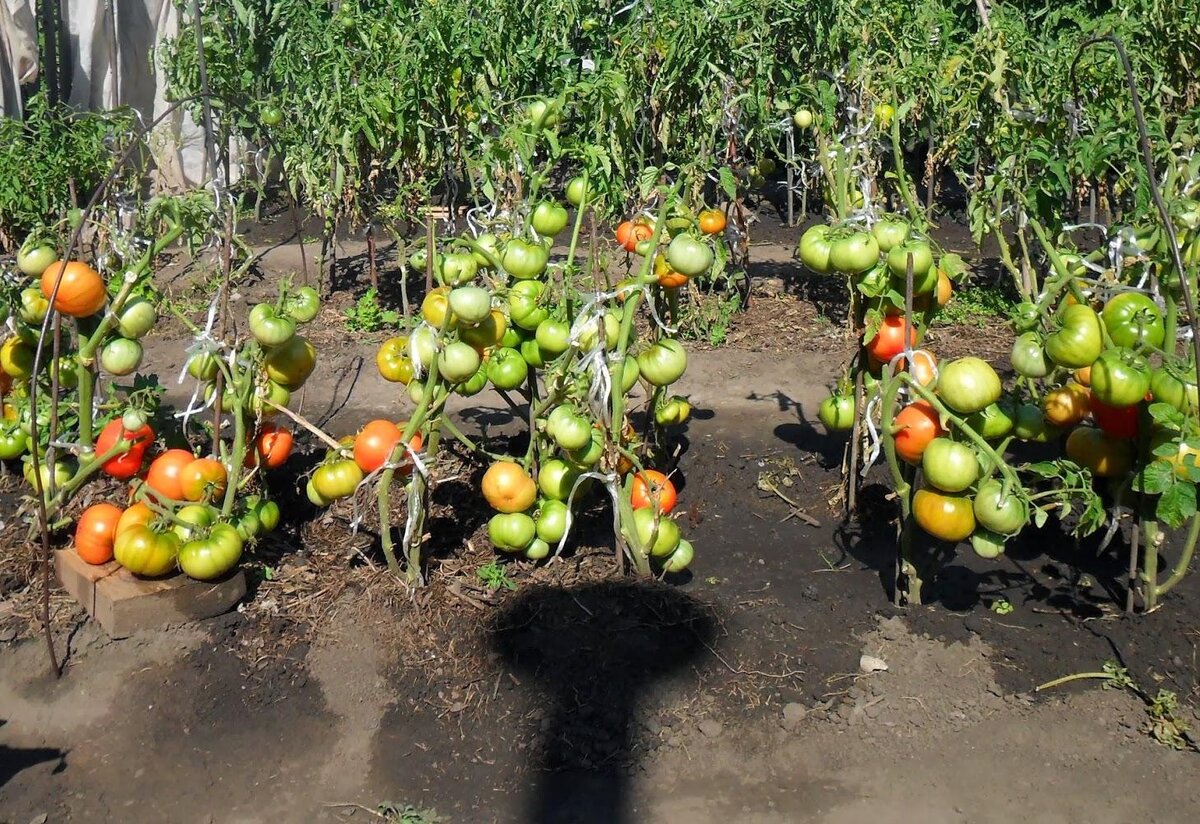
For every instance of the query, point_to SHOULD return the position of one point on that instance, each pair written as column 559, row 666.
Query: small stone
column 710, row 727
column 793, row 714
column 870, row 663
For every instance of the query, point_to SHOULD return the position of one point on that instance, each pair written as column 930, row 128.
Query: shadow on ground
column 592, row 654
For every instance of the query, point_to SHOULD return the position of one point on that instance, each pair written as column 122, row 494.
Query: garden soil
column 772, row 683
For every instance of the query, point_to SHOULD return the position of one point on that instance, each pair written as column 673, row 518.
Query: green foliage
column 366, row 315
column 975, row 305
column 495, row 576
column 44, row 155
column 406, row 814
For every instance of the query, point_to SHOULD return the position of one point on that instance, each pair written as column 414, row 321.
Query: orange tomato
column 711, row 221
column 164, row 475
column 272, row 446
column 508, row 488
column 889, row 340
column 651, row 486
column 915, row 426
column 96, row 531
column 1066, row 406
column 80, row 292
column 374, row 444
column 630, row 233
column 667, row 276
column 924, row 368
column 1084, row 376
column 203, row 477
column 137, row 515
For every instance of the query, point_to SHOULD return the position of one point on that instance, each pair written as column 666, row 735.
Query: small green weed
column 495, row 576
column 975, row 305
column 368, row 316
column 407, row 814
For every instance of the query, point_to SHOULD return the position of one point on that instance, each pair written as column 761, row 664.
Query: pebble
column 710, row 727
column 871, row 663
column 793, row 714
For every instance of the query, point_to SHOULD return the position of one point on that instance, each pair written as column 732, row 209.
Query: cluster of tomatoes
column 343, row 469
column 175, row 515
column 82, row 295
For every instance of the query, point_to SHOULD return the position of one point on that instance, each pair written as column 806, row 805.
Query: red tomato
column 374, row 444
column 649, row 486
column 164, row 476
column 96, row 531
column 915, row 426
column 125, row 466
column 889, row 340
column 271, row 448
column 1117, row 421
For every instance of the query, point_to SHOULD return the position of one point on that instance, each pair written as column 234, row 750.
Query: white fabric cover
column 18, row 53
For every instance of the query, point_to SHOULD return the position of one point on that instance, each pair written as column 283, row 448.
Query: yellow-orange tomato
column 667, row 276
column 1084, row 376
column 203, row 477
column 945, row 288
column 80, row 292
column 1105, row 456
column 915, row 426
column 137, row 515
column 712, row 221
column 96, row 531
column 924, row 366
column 944, row 516
column 508, row 488
column 1065, row 406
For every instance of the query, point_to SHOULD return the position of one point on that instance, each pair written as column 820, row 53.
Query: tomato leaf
column 1155, row 478
column 1176, row 505
column 1166, row 415
column 728, row 182
column 1040, row 516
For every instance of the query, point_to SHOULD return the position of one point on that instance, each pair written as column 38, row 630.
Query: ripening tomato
column 143, row 551
column 508, row 488
column 1065, row 406
column 80, row 291
column 165, row 474
column 915, row 426
column 136, row 515
column 667, row 277
column 631, row 233
column 651, row 487
column 945, row 517
column 889, row 340
column 203, row 478
column 1105, row 456
column 96, row 531
column 711, row 221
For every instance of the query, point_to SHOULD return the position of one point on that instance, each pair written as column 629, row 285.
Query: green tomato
column 458, row 268
column 837, row 413
column 271, row 116
column 136, row 318
column 968, row 385
column 34, row 306
column 511, row 532
column 1134, row 319
column 459, row 361
column 548, row 218
column 61, row 472
column 589, row 336
column 1028, row 357
column 674, row 411
column 925, row 276
column 554, row 337
column 681, row 558
column 1029, row 424
column 291, row 364
column 270, row 328
column 854, row 252
column 268, row 515
column 248, row 526
column 1120, row 377
column 590, row 455
column 538, row 550
column 552, row 521
column 890, row 233
column 471, row 304
column 663, row 363
column 814, row 248
column 875, row 282
column 145, row 552
column 13, row 441
column 524, row 260
column 628, row 378
column 577, row 190
column 658, row 541
column 1003, row 514
column 543, row 114
column 121, row 356
column 34, row 258
column 556, row 479
column 1025, row 317
column 987, row 544
column 948, row 465
column 1175, row 386
column 802, row 119
column 688, row 256
column 202, row 366
column 474, row 384
column 302, row 304
column 572, row 432
column 1077, row 340
column 192, row 520
column 208, row 558
column 992, row 422
column 523, row 305
column 506, row 369
column 337, row 479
